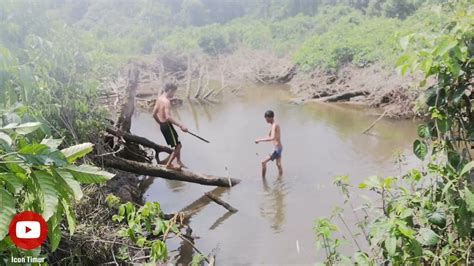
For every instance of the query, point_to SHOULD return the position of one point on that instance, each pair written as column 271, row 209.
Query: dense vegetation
column 54, row 55
column 426, row 215
column 360, row 31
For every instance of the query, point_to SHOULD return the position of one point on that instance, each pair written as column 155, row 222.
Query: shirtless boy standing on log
column 162, row 115
column 275, row 137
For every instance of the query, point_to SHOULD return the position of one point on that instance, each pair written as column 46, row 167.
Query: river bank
column 206, row 78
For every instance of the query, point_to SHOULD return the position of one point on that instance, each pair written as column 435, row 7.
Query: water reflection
column 273, row 205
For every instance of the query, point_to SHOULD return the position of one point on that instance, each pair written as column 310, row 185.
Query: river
column 274, row 224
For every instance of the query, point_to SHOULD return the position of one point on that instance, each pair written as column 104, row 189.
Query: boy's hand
column 257, row 141
column 184, row 129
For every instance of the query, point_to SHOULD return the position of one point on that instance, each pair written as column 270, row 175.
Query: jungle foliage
column 426, row 215
column 36, row 175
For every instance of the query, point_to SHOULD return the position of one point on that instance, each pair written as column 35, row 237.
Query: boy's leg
column 178, row 155
column 264, row 166
column 280, row 167
column 171, row 159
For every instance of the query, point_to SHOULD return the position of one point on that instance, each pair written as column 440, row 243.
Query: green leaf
column 141, row 242
column 423, row 131
column 443, row 124
column 5, row 138
column 34, row 149
column 77, row 151
column 361, row 258
column 71, row 183
column 420, row 149
column 404, row 41
column 89, row 174
column 159, row 251
column 48, row 189
column 52, row 143
column 391, row 245
column 13, row 183
column 54, row 229
column 53, row 158
column 70, row 216
column 428, row 237
column 402, row 60
column 467, row 168
column 457, row 96
column 8, row 211
column 469, row 197
column 22, row 129
column 416, row 248
column 406, row 231
column 437, row 218
column 445, row 46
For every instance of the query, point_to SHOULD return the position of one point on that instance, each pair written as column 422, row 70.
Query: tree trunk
column 124, row 122
column 344, row 96
column 161, row 171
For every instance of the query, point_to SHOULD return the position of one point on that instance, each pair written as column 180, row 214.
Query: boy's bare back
column 161, row 109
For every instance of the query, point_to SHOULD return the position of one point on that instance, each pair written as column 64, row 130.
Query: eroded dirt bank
column 202, row 77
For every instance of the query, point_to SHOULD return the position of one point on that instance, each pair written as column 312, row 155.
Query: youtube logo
column 28, row 230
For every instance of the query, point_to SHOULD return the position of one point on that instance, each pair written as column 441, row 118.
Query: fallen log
column 344, row 96
column 139, row 140
column 221, row 202
column 163, row 172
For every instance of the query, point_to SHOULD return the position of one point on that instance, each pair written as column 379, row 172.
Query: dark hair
column 170, row 87
column 269, row 114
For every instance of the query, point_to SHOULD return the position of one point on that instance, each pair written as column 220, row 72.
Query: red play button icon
column 28, row 230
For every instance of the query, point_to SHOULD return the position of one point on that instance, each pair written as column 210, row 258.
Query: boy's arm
column 155, row 112
column 171, row 119
column 270, row 138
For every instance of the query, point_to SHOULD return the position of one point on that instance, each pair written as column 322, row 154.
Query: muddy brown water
column 274, row 224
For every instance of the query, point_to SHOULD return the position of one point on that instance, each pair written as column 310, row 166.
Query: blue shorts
column 276, row 154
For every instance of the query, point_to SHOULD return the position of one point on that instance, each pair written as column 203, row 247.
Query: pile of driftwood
column 370, row 86
column 260, row 67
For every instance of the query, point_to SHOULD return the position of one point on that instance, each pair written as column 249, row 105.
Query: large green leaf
column 423, row 131
column 469, row 197
column 7, row 203
column 70, row 216
column 53, row 158
column 77, row 151
column 34, row 149
column 22, row 129
column 428, row 237
column 89, row 174
column 47, row 186
column 54, row 229
column 69, row 180
column 52, row 143
column 437, row 218
column 467, row 168
column 13, row 183
column 446, row 45
column 6, row 139
column 420, row 149
column 391, row 245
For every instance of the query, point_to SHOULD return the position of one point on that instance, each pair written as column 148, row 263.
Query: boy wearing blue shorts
column 273, row 136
